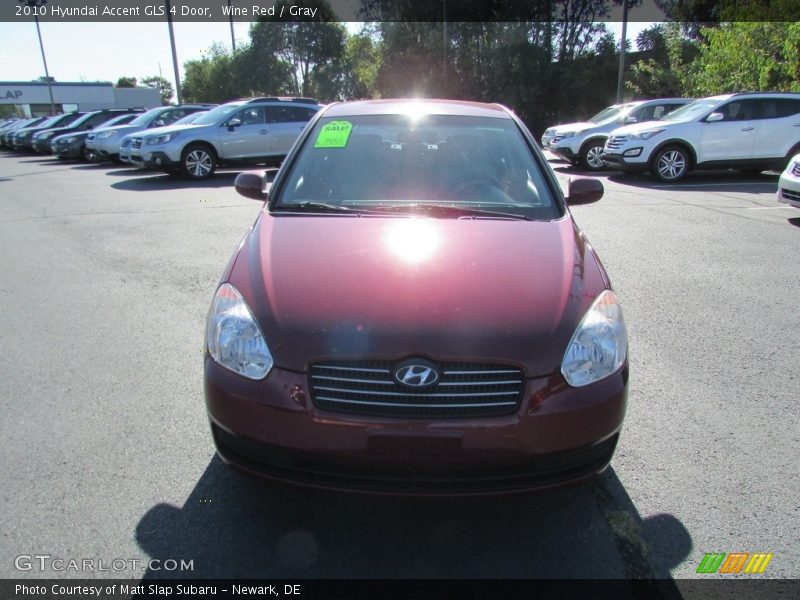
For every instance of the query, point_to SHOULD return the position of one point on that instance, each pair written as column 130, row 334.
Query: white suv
column 750, row 132
column 249, row 131
column 582, row 143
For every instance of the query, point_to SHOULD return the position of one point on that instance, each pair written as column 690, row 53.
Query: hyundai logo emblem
column 416, row 373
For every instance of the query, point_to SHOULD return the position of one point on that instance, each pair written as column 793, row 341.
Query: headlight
column 161, row 139
column 233, row 337
column 599, row 346
column 104, row 135
column 645, row 135
column 46, row 134
column 569, row 134
column 68, row 140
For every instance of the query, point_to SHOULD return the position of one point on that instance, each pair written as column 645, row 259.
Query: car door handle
column 748, row 129
column 796, row 125
column 263, row 132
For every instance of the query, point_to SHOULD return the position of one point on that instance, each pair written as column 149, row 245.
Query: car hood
column 344, row 287
column 170, row 129
column 572, row 127
column 639, row 127
column 75, row 134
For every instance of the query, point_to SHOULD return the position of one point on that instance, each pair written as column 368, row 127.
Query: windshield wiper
column 448, row 210
column 322, row 207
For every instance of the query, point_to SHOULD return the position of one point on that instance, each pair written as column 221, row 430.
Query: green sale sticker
column 334, row 135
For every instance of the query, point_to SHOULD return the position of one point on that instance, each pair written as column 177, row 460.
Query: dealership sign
column 11, row 95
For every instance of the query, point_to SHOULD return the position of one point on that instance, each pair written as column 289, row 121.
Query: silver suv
column 104, row 142
column 241, row 132
column 582, row 143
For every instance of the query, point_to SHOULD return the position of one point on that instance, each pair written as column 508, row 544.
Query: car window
column 396, row 160
column 738, row 110
column 252, row 115
column 776, row 108
column 173, row 115
column 290, row 114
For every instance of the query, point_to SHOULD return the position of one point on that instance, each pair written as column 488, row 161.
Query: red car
column 415, row 311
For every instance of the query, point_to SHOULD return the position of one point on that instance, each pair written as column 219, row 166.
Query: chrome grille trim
column 790, row 195
column 616, row 142
column 369, row 388
column 796, row 169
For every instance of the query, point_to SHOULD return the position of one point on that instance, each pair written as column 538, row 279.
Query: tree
column 161, row 84
column 313, row 49
column 126, row 82
column 665, row 71
column 748, row 56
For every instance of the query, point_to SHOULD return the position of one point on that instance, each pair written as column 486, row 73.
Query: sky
column 108, row 51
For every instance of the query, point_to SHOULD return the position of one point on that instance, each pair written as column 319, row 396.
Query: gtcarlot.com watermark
column 46, row 563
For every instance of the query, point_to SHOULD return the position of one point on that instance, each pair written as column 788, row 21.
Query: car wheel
column 198, row 162
column 591, row 156
column 670, row 163
column 88, row 154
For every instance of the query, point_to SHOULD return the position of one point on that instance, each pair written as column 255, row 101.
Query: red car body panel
column 326, row 287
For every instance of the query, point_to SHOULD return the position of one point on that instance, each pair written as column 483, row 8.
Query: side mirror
column 255, row 184
column 583, row 190
column 234, row 122
column 715, row 116
column 631, row 120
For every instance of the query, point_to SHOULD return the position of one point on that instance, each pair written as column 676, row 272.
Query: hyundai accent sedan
column 415, row 311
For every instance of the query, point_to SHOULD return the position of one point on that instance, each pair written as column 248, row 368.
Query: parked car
column 42, row 141
column 241, row 132
column 582, row 143
column 5, row 134
column 73, row 145
column 416, row 311
column 747, row 131
column 789, row 183
column 106, row 142
column 125, row 143
column 22, row 139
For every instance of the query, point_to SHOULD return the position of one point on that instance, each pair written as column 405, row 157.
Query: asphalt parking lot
column 107, row 275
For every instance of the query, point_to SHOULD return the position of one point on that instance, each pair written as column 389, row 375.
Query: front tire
column 670, row 164
column 198, row 162
column 590, row 156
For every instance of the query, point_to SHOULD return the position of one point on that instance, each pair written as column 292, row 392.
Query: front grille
column 369, row 388
column 125, row 143
column 136, row 143
column 796, row 169
column 790, row 195
column 615, row 142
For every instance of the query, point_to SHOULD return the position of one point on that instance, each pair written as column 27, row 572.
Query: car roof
column 416, row 105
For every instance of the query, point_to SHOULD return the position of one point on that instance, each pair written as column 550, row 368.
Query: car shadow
column 706, row 181
column 168, row 182
column 236, row 526
column 40, row 161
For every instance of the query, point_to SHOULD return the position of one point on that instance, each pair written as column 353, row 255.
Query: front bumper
column 271, row 428
column 69, row 150
column 616, row 160
column 568, row 150
column 43, row 146
column 789, row 190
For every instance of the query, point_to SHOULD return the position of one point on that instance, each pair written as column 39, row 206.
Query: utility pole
column 620, row 75
column 174, row 54
column 233, row 39
column 35, row 4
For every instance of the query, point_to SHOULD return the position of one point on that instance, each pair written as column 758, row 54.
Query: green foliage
column 164, row 87
column 126, row 82
column 755, row 56
column 664, row 73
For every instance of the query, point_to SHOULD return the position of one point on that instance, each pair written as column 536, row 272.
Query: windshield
column 692, row 110
column 412, row 164
column 218, row 114
column 610, row 113
column 49, row 121
column 190, row 118
column 121, row 120
column 145, row 117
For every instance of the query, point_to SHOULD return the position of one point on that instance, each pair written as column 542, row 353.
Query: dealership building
column 32, row 98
